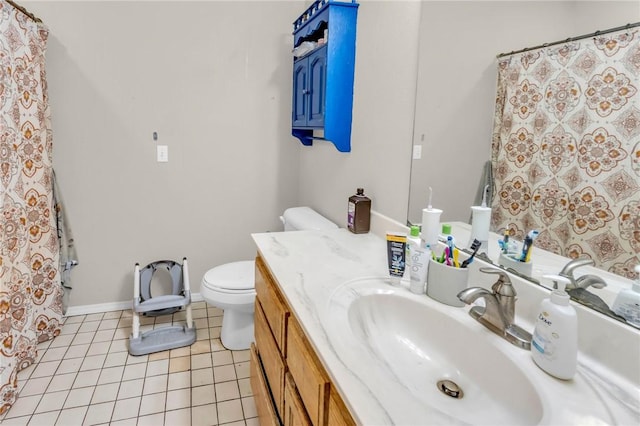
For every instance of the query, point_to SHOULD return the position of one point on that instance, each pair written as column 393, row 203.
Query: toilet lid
column 235, row 276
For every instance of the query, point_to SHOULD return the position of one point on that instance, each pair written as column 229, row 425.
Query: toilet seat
column 231, row 278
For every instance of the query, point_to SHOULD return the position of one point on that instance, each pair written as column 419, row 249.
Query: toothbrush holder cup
column 445, row 282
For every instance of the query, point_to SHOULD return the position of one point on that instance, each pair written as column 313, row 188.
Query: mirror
column 456, row 90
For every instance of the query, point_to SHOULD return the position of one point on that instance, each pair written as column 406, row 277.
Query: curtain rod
column 25, row 12
column 594, row 34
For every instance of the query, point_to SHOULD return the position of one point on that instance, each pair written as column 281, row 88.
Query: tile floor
column 86, row 376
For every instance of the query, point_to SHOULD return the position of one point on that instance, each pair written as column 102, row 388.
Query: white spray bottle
column 554, row 346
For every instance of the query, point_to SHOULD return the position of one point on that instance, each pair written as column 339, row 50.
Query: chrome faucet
column 498, row 314
column 581, row 282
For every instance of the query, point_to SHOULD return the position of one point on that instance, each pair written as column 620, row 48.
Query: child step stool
column 163, row 338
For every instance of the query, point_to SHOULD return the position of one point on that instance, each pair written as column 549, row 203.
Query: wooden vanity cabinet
column 290, row 384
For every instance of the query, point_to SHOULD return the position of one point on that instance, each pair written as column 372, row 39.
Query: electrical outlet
column 162, row 152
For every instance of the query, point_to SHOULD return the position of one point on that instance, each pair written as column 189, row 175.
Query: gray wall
column 213, row 79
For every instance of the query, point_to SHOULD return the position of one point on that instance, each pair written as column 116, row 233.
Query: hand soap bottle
column 554, row 346
column 359, row 213
column 627, row 303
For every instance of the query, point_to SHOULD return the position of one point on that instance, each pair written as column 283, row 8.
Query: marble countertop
column 310, row 267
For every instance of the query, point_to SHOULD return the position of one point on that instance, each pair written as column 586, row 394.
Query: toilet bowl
column 231, row 287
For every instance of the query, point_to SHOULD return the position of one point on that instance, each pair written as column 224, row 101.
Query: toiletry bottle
column 627, row 303
column 418, row 261
column 359, row 213
column 554, row 346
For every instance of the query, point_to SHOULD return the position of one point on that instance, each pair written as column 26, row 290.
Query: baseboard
column 111, row 306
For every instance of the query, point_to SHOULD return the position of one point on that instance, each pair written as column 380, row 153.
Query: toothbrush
column 455, row 258
column 527, row 245
column 430, row 197
column 475, row 246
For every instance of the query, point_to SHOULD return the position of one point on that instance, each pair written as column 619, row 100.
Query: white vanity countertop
column 311, row 265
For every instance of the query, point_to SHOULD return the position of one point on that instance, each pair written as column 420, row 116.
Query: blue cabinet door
column 317, row 80
column 300, row 90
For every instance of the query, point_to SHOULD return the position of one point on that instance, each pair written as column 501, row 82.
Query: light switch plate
column 162, row 152
column 417, row 152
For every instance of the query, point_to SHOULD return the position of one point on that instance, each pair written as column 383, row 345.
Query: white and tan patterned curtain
column 566, row 148
column 30, row 291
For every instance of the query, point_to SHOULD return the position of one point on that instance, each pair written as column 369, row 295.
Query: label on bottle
column 351, row 215
column 544, row 339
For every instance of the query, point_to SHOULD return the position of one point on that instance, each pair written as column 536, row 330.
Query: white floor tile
column 35, row 386
column 77, row 351
column 25, row 405
column 99, row 413
column 204, row 415
column 227, row 390
column 126, row 408
column 179, row 380
column 44, row 419
column 224, row 373
column 105, row 393
column 155, row 384
column 178, row 417
column 151, row 420
column 72, row 416
column 110, row 375
column 179, row 398
column 52, row 401
column 61, row 382
column 203, row 395
column 91, row 379
column 78, row 397
column 230, row 411
column 86, row 378
column 249, row 407
column 154, row 403
column 204, row 376
column 130, row 389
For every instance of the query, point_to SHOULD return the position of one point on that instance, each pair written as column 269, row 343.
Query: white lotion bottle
column 627, row 303
column 418, row 255
column 554, row 346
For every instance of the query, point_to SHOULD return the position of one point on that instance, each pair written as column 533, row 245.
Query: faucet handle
column 503, row 285
column 567, row 270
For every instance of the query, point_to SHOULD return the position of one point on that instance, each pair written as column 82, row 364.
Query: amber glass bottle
column 359, row 213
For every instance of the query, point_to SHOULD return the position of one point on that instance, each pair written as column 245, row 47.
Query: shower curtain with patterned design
column 566, row 149
column 30, row 291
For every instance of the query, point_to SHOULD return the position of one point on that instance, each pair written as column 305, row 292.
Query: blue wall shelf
column 323, row 77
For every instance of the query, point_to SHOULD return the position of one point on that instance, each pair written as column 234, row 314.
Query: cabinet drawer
column 294, row 412
column 308, row 374
column 273, row 305
column 261, row 395
column 270, row 356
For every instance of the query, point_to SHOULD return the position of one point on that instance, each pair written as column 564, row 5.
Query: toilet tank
column 305, row 218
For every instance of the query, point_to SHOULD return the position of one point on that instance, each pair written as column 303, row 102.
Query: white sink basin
column 417, row 344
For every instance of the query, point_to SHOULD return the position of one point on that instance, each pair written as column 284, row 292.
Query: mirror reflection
column 558, row 136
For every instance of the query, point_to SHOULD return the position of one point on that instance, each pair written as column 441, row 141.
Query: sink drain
column 450, row 388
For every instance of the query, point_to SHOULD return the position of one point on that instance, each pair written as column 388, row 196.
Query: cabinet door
column 294, row 411
column 300, row 91
column 317, row 84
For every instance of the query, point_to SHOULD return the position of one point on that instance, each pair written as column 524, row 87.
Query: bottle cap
column 415, row 231
column 446, row 229
column 559, row 296
column 360, row 191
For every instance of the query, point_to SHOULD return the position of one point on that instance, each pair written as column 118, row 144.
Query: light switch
column 417, row 152
column 162, row 153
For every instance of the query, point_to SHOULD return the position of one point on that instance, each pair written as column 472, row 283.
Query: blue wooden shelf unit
column 323, row 77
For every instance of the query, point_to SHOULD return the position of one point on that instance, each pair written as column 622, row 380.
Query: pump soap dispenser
column 554, row 346
column 627, row 303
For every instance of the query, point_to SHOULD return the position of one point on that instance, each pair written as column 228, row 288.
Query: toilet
column 231, row 287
